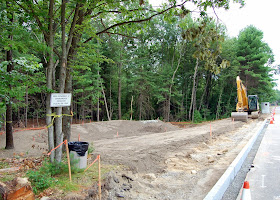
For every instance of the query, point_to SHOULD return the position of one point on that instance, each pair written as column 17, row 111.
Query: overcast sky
column 264, row 15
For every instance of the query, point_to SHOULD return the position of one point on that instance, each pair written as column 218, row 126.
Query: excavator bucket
column 239, row 116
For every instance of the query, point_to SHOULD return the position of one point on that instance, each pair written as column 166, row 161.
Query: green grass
column 7, row 177
column 4, row 165
column 56, row 177
column 80, row 179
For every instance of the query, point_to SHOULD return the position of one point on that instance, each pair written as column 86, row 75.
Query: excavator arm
column 242, row 99
column 242, row 102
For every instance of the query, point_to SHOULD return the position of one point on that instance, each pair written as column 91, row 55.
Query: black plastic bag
column 79, row 147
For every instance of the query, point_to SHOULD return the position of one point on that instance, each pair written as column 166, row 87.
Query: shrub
column 39, row 180
column 55, row 168
column 197, row 117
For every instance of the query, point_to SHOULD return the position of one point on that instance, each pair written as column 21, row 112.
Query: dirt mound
column 148, row 152
column 33, row 143
column 163, row 160
column 121, row 128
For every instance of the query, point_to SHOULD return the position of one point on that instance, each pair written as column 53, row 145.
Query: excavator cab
column 253, row 106
column 253, row 103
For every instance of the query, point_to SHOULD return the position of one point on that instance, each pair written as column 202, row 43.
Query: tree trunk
column 9, row 112
column 91, row 111
column 110, row 100
column 9, row 127
column 131, row 111
column 204, row 92
column 73, row 38
column 26, row 107
column 120, row 86
column 182, row 108
column 61, row 88
column 53, row 73
column 98, row 109
column 166, row 107
column 219, row 104
column 37, row 118
column 76, row 111
column 19, row 121
column 140, row 106
column 194, row 99
column 172, row 82
column 105, row 102
column 97, row 114
column 191, row 111
column 50, row 80
column 208, row 90
column 83, row 108
column 66, row 121
column 120, row 94
column 187, row 95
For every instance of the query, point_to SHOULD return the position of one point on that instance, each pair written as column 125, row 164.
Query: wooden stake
column 68, row 158
column 99, row 177
column 79, row 139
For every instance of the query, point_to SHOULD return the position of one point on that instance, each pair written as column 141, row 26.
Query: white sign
column 60, row 99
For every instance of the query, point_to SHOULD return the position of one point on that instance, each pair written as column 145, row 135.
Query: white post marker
column 263, row 186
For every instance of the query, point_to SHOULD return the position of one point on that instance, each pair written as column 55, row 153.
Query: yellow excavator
column 245, row 104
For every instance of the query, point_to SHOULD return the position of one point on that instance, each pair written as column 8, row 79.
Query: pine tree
column 255, row 59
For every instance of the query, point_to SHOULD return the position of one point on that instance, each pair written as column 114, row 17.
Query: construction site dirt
column 154, row 159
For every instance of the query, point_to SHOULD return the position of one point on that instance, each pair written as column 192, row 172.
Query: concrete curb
column 217, row 192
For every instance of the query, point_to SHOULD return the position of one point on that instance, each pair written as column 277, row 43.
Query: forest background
column 124, row 60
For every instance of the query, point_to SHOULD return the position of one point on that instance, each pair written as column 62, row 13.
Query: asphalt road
column 264, row 178
column 234, row 189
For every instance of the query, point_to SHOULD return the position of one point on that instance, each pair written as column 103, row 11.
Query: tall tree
column 207, row 38
column 10, row 67
column 255, row 59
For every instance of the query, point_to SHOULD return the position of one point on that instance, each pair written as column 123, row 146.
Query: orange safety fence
column 25, row 129
column 40, row 128
column 64, row 142
column 97, row 158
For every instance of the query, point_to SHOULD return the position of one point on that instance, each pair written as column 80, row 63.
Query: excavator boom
column 242, row 99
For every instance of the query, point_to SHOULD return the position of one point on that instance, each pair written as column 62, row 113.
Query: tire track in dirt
column 149, row 152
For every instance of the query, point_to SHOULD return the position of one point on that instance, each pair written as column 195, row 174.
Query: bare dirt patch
column 160, row 160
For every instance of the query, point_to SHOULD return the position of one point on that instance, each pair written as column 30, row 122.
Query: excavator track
column 255, row 115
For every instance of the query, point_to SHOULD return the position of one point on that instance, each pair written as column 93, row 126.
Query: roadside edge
column 223, row 183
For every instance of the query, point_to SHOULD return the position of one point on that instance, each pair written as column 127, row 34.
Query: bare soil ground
column 159, row 160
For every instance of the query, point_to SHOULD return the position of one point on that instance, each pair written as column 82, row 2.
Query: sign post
column 60, row 99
